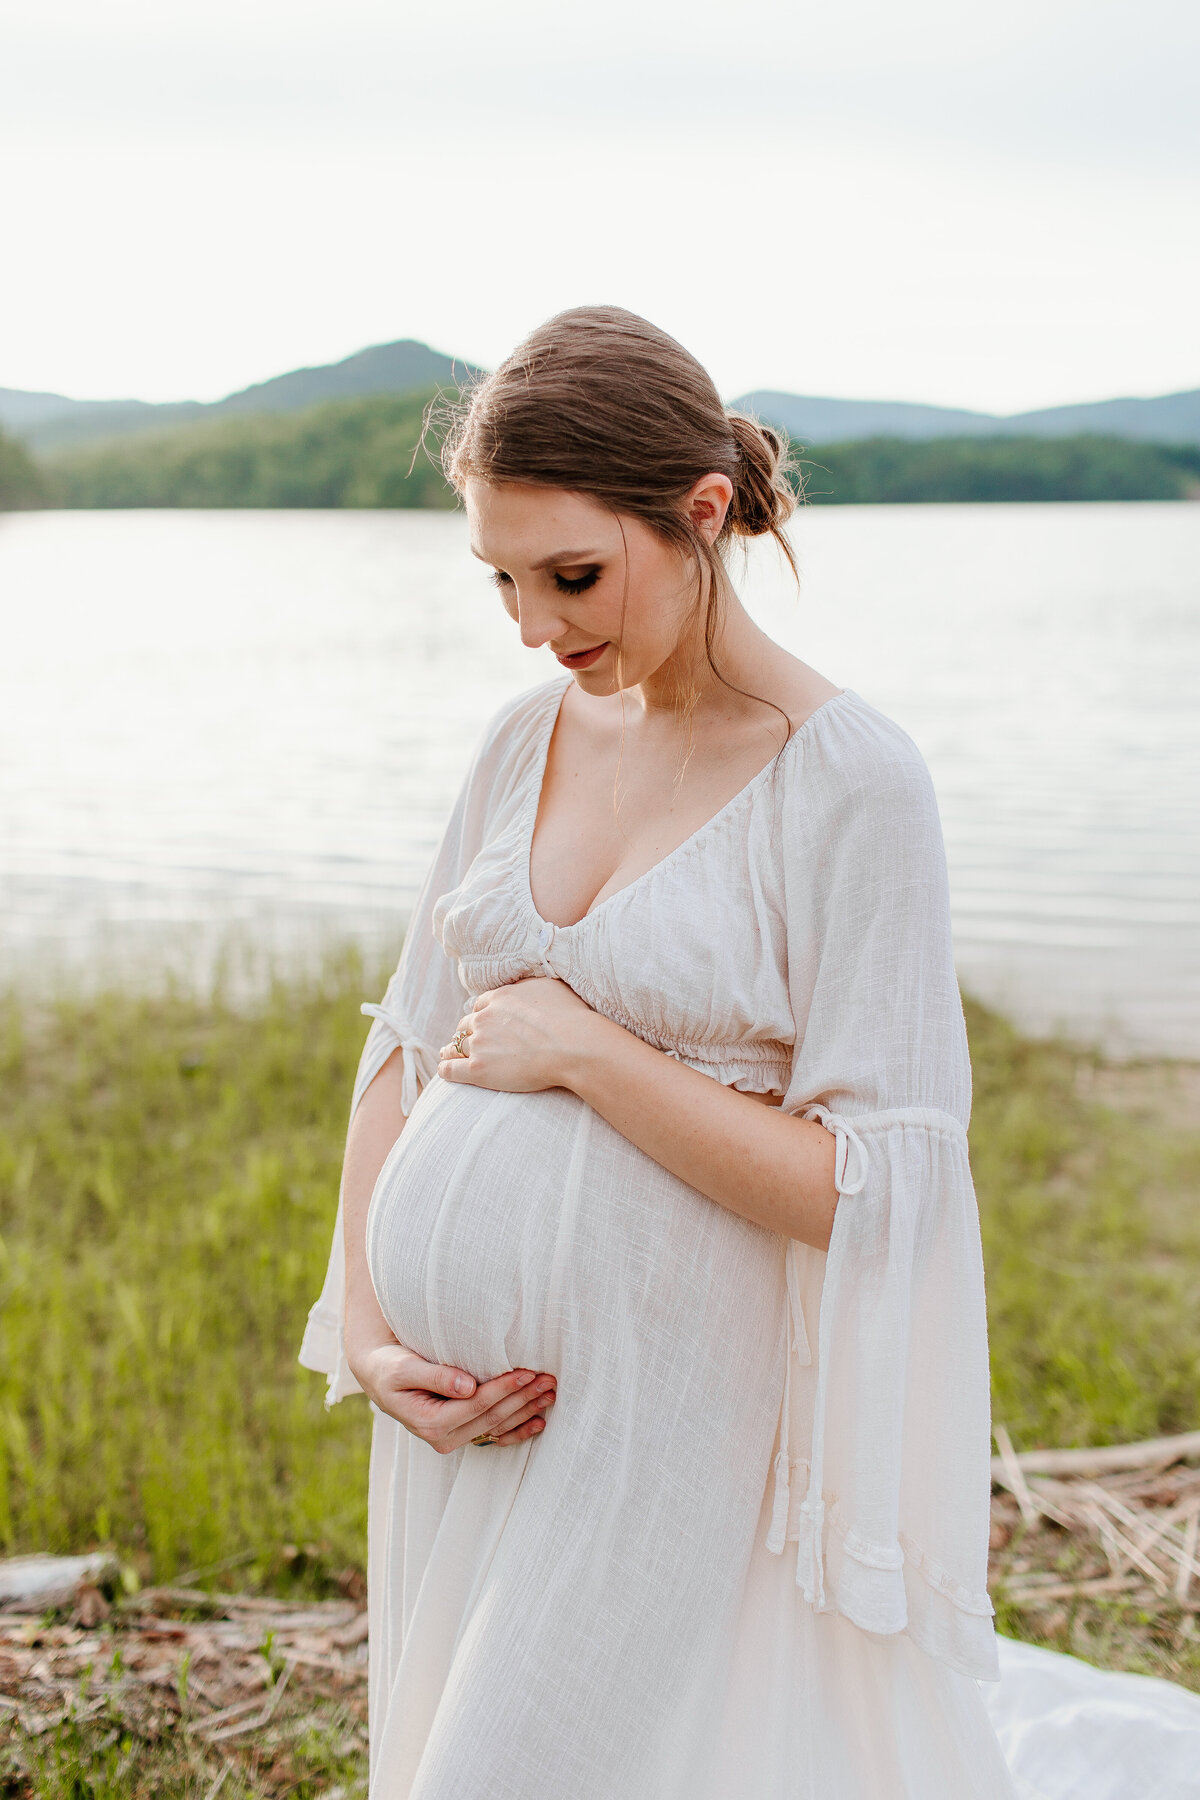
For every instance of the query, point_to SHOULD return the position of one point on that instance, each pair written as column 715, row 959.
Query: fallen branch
column 223, row 1733
column 1102, row 1541
column 1013, row 1476
column 1188, row 1561
column 1030, row 1598
column 1107, row 1459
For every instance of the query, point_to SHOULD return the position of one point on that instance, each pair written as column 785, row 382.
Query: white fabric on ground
column 1071, row 1732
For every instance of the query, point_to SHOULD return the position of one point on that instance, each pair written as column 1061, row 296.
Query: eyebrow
column 569, row 558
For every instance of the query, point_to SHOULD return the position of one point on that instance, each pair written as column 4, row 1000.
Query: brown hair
column 601, row 402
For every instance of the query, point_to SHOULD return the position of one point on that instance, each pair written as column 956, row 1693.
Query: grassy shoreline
column 168, row 1174
column 168, row 1171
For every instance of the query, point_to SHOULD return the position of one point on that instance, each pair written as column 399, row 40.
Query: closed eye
column 576, row 584
column 566, row 584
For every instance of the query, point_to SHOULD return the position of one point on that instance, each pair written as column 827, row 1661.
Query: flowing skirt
column 593, row 1615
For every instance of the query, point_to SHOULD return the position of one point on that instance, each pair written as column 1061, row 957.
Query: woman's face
column 561, row 566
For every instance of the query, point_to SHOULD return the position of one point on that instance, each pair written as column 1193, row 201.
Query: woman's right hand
column 446, row 1407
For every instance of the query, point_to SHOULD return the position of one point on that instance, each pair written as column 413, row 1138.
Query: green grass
column 168, row 1171
column 1091, row 1240
column 318, row 1749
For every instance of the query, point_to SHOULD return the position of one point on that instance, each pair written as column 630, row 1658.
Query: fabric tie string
column 810, row 1562
column 850, row 1170
column 545, row 939
column 798, row 1350
column 419, row 1064
column 782, row 1496
column 810, row 1557
column 849, row 1145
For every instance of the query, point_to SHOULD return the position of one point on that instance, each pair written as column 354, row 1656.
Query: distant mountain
column 811, row 420
column 807, row 419
column 44, row 419
column 21, row 410
column 1170, row 419
column 51, row 421
column 48, row 421
column 399, row 368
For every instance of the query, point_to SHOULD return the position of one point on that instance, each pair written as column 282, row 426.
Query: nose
column 538, row 624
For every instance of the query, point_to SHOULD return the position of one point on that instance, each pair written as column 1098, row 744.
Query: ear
column 706, row 504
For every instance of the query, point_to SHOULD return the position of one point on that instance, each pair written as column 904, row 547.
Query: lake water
column 251, row 726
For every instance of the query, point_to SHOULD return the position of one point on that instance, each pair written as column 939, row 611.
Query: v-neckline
column 538, row 782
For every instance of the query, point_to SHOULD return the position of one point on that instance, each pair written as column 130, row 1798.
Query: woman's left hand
column 519, row 1039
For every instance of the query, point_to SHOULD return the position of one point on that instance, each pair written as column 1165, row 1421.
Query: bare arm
column 443, row 1406
column 375, row 1127
column 749, row 1157
column 758, row 1162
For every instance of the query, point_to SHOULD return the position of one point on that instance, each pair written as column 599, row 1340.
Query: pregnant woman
column 657, row 1252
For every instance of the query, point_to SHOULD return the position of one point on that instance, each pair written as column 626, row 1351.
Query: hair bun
column 764, row 497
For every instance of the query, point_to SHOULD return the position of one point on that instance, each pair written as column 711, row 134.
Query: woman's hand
column 519, row 1039
column 428, row 1398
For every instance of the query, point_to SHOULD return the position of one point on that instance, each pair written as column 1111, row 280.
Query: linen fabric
column 754, row 1532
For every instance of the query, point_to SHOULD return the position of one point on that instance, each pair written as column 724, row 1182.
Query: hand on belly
column 428, row 1399
column 517, row 1039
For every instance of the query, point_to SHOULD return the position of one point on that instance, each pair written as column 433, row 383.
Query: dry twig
column 1113, row 1536
column 1075, row 1530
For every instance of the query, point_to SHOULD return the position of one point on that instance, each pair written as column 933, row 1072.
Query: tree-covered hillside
column 364, row 452
column 51, row 422
column 22, row 483
column 345, row 453
column 360, row 452
column 882, row 470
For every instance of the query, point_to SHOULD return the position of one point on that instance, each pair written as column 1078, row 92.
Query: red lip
column 583, row 659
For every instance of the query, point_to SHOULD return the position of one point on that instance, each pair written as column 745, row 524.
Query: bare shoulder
column 795, row 687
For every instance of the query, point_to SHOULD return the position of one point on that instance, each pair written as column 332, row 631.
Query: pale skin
column 573, row 577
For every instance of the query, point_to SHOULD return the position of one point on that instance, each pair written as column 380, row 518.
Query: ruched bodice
column 718, row 999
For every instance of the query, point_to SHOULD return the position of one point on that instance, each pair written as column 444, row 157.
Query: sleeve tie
column 419, row 1062
column 849, row 1147
column 850, row 1172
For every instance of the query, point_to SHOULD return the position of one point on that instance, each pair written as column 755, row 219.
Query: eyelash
column 561, row 582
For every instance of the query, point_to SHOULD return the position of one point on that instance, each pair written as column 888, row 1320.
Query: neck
column 738, row 650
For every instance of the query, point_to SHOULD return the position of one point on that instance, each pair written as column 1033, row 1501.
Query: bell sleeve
column 892, row 1402
column 417, row 1014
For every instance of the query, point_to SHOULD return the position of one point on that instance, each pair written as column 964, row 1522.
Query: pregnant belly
column 510, row 1230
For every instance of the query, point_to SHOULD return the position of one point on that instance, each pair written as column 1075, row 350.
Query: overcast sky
column 977, row 206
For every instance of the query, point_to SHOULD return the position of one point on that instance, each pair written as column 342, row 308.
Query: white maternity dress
column 746, row 1560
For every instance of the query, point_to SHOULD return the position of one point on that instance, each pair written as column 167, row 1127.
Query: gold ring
column 457, row 1044
column 483, row 1440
